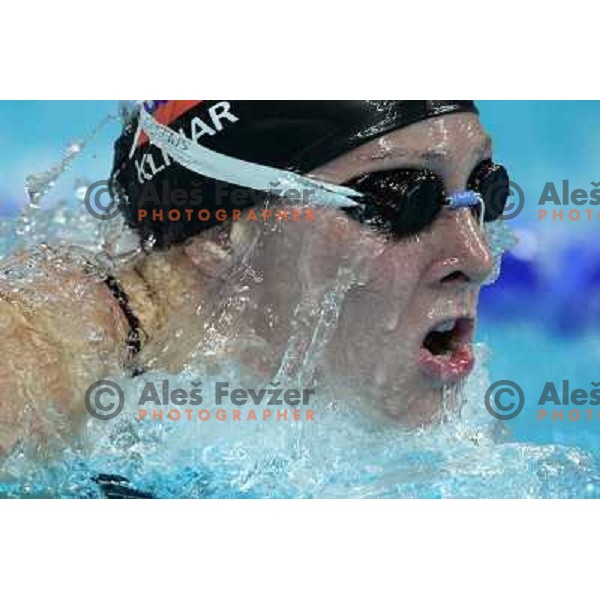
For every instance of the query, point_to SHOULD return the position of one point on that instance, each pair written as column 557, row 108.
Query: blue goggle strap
column 466, row 199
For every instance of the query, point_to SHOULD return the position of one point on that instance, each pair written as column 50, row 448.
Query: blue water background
column 541, row 319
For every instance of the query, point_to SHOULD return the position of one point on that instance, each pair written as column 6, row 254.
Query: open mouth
column 446, row 353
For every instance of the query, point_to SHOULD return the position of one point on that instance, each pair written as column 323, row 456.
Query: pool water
column 340, row 455
column 531, row 354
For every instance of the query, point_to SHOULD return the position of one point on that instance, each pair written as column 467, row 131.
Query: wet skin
column 400, row 290
column 413, row 285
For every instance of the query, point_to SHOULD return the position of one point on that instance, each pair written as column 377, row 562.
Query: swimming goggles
column 404, row 202
column 400, row 203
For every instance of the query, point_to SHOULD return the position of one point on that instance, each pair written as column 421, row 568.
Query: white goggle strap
column 218, row 166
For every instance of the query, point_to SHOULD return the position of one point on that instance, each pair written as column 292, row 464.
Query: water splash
column 340, row 455
column 501, row 238
column 38, row 185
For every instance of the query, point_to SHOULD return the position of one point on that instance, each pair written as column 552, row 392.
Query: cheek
column 381, row 305
column 396, row 273
column 329, row 244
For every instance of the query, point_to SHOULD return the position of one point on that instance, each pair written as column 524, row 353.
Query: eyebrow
column 484, row 147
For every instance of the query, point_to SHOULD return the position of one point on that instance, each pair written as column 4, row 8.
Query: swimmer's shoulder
column 61, row 329
column 63, row 295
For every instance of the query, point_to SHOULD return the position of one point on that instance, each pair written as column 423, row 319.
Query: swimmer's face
column 406, row 324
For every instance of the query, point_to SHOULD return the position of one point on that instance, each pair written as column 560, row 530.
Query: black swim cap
column 294, row 135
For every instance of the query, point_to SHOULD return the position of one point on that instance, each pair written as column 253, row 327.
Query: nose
column 461, row 252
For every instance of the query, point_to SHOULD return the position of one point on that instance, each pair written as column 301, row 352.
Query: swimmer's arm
column 28, row 360
column 51, row 352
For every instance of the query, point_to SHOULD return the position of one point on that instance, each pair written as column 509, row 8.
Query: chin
column 418, row 404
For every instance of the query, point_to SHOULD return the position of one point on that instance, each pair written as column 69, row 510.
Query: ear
column 209, row 254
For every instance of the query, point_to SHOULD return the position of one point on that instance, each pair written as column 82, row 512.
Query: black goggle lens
column 398, row 203
column 492, row 183
column 404, row 202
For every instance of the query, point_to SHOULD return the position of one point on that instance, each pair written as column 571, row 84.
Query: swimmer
column 406, row 257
